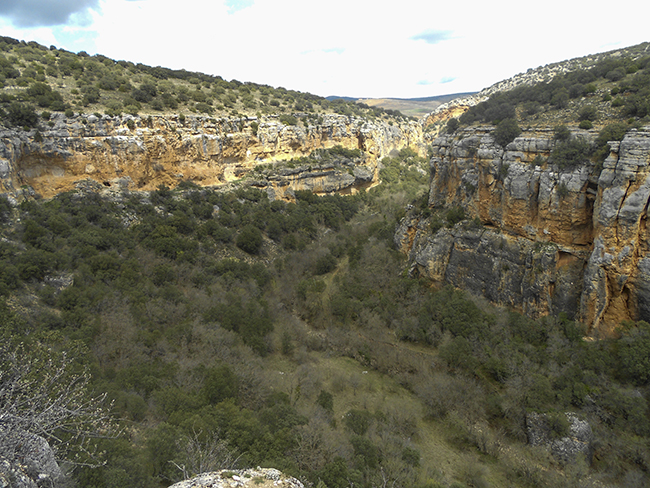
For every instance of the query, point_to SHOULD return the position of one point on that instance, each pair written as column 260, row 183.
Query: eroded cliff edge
column 141, row 153
column 539, row 238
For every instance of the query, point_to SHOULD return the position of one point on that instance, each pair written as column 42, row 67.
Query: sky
column 356, row 48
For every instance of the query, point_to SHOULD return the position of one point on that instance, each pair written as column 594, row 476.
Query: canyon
column 537, row 238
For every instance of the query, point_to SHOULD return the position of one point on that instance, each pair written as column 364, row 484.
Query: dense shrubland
column 37, row 81
column 625, row 78
column 612, row 96
column 230, row 330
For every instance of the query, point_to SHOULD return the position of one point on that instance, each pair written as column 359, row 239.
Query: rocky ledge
column 258, row 478
column 145, row 152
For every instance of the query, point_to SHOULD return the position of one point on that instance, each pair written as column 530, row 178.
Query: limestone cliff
column 142, row 153
column 543, row 240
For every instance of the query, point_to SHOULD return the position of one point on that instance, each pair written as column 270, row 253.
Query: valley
column 226, row 275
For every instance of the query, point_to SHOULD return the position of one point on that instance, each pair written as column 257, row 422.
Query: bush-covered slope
column 232, row 330
column 37, row 80
column 585, row 94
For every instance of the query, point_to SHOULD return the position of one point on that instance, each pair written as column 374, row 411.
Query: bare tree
column 202, row 456
column 44, row 395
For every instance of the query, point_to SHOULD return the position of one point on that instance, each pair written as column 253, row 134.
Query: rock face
column 27, row 461
column 543, row 240
column 143, row 153
column 339, row 176
column 259, row 478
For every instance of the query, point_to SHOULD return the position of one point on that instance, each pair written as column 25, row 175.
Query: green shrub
column 561, row 133
column 220, row 383
column 411, row 456
column 506, row 131
column 91, row 95
column 325, row 264
column 558, row 424
column 458, row 354
column 586, row 124
column 358, row 421
column 204, row 108
column 588, row 112
column 570, row 153
column 611, row 132
column 287, row 119
column 452, row 125
column 538, row 161
column 539, row 393
column 634, row 351
column 326, row 401
column 337, row 474
column 250, row 239
column 367, row 454
column 22, row 115
column 455, row 215
column 251, row 320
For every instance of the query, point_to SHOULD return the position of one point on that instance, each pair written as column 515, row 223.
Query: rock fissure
column 618, row 213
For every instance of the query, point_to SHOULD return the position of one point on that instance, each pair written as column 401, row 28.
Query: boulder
column 240, row 478
column 27, row 460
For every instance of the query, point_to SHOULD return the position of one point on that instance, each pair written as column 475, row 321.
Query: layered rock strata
column 541, row 239
column 143, row 153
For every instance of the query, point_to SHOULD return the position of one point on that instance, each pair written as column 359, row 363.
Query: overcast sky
column 359, row 48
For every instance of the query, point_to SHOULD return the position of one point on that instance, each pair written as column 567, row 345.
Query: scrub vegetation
column 233, row 331
column 36, row 81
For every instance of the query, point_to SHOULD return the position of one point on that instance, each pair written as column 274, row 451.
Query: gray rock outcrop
column 27, row 461
column 578, row 441
column 258, row 478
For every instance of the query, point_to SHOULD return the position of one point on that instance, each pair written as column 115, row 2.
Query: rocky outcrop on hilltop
column 259, row 478
column 540, row 238
column 141, row 153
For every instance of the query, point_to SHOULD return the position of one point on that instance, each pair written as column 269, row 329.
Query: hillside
column 414, row 107
column 231, row 283
column 562, row 167
column 556, row 93
column 71, row 117
column 56, row 80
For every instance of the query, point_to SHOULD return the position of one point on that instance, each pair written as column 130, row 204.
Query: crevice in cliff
column 591, row 192
column 534, row 203
column 618, row 213
column 643, row 228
